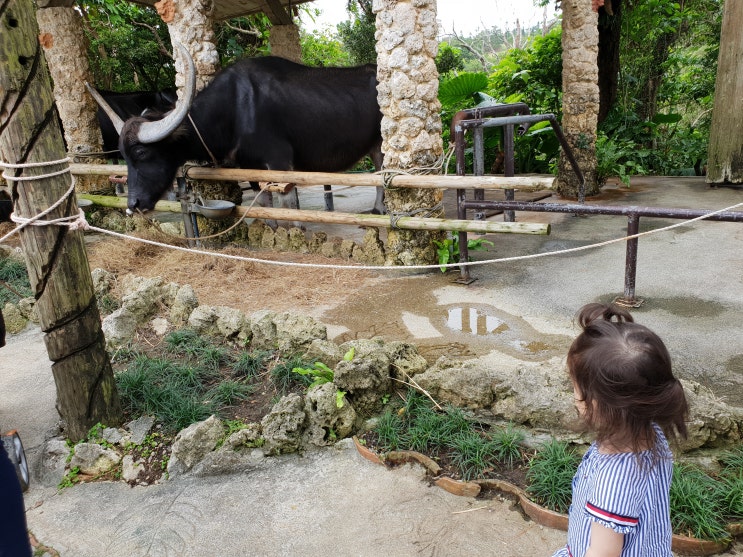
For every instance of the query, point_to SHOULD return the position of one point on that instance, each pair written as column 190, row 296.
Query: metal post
column 508, row 169
column 464, row 271
column 478, row 159
column 630, row 266
column 328, row 197
column 189, row 221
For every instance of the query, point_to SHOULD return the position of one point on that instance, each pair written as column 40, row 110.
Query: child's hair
column 623, row 372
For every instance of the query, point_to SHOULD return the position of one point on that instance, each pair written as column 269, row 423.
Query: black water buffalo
column 126, row 105
column 263, row 113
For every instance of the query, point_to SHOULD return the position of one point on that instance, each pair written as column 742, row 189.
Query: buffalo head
column 150, row 144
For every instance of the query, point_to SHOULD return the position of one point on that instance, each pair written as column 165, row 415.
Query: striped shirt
column 628, row 495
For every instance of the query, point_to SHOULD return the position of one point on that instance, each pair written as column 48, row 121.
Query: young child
column 626, row 393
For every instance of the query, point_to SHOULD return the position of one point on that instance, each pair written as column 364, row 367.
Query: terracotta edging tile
column 544, row 517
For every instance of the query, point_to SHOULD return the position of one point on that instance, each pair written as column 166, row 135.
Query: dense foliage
column 128, row 46
column 658, row 121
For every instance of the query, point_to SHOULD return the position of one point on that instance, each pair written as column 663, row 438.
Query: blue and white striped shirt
column 628, row 495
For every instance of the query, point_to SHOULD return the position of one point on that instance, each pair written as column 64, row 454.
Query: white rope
column 410, row 267
column 79, row 222
column 33, row 165
column 74, row 222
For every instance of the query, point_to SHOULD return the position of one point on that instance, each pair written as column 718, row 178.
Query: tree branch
column 161, row 46
column 461, row 42
column 253, row 31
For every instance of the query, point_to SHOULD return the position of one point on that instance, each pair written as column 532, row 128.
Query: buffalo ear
column 152, row 132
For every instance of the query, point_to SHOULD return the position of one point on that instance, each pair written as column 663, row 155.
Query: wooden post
column 55, row 256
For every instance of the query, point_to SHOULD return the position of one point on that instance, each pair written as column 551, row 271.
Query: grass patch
column 695, row 508
column 550, row 475
column 248, row 365
column 284, row 378
column 191, row 377
column 448, row 435
column 14, row 283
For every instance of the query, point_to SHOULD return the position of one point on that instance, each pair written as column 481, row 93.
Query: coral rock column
column 580, row 99
column 190, row 23
column 411, row 123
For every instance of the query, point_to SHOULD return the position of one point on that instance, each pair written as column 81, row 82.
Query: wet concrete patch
column 684, row 306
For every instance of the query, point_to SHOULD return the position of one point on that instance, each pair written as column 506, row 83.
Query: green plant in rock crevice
column 448, row 249
column 319, row 373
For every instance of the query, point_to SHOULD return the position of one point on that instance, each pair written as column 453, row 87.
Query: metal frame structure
column 477, row 119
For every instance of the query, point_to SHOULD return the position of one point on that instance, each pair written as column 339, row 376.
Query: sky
column 465, row 16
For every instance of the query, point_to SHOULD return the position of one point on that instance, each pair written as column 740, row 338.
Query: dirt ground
column 245, row 286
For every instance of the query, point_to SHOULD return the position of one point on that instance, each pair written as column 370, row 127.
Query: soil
column 246, row 286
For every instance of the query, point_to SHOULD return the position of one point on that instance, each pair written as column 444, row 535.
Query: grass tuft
column 550, row 475
column 283, row 377
column 15, row 278
column 695, row 504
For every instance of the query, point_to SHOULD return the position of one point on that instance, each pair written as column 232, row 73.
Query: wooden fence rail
column 378, row 221
column 304, row 179
column 524, row 183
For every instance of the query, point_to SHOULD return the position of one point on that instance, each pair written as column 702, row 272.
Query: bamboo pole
column 302, row 179
column 378, row 221
column 55, row 256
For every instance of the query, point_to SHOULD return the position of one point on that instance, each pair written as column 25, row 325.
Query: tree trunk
column 649, row 95
column 580, row 100
column 725, row 156
column 411, row 123
column 65, row 50
column 55, row 256
column 610, row 32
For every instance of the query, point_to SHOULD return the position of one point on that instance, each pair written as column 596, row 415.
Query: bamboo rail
column 302, row 179
column 379, row 221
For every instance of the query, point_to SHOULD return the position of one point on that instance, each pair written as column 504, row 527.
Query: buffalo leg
column 290, row 200
column 328, row 195
column 377, row 158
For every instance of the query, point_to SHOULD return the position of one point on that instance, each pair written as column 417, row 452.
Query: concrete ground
column 334, row 501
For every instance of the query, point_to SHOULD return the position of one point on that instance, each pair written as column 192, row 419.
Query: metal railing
column 478, row 121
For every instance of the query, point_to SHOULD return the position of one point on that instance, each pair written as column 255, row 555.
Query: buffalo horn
column 151, row 132
column 115, row 119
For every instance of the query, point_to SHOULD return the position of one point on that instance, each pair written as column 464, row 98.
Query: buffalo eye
column 139, row 152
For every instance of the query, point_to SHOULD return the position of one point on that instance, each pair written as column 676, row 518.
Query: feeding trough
column 215, row 209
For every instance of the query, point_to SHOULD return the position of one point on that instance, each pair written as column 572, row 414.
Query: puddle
column 474, row 321
column 411, row 313
column 485, row 328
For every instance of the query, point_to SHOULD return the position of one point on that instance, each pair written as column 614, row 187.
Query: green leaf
column 461, row 88
column 666, row 118
column 348, row 356
column 339, row 395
